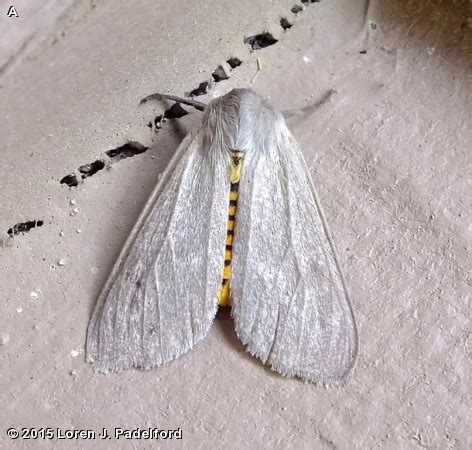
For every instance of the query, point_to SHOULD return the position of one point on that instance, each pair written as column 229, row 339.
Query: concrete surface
column 390, row 156
column 25, row 25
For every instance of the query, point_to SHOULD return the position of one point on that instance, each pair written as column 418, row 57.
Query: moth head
column 240, row 119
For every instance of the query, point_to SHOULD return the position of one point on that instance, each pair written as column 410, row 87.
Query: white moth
column 234, row 219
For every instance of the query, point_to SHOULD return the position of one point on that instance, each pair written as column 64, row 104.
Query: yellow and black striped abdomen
column 224, row 298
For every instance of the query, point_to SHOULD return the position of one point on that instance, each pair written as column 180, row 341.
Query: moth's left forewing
column 161, row 296
column 290, row 304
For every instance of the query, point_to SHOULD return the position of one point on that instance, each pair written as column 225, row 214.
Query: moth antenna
column 310, row 108
column 199, row 106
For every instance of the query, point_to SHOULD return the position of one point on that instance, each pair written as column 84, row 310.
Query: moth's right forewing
column 290, row 303
column 160, row 298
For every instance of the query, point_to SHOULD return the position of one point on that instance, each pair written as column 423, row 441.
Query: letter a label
column 12, row 12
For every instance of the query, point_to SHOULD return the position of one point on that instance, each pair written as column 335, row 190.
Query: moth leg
column 310, row 108
column 193, row 103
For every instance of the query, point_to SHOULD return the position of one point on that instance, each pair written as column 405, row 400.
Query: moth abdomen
column 224, row 297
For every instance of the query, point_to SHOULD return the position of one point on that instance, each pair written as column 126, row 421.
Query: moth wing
column 290, row 303
column 161, row 296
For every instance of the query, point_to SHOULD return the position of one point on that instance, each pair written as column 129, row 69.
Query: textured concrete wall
column 389, row 154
